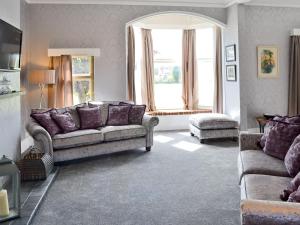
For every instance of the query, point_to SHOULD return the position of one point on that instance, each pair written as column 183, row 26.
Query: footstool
column 213, row 125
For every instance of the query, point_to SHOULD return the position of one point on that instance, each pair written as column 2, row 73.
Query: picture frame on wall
column 231, row 73
column 230, row 53
column 268, row 62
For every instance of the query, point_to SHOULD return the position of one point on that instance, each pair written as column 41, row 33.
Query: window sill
column 177, row 112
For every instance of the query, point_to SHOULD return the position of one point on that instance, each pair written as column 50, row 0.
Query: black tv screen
column 10, row 47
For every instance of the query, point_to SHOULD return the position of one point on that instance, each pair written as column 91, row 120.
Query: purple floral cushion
column 90, row 118
column 271, row 123
column 136, row 113
column 45, row 120
column 295, row 196
column 292, row 187
column 292, row 158
column 64, row 121
column 118, row 115
column 280, row 138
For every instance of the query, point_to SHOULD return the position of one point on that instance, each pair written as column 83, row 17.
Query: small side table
column 262, row 121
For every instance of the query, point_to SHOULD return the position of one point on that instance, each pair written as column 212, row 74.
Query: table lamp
column 42, row 78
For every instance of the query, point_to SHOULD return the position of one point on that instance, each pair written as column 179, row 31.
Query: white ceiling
column 195, row 3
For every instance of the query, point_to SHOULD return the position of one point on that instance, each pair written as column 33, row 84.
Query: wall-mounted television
column 10, row 47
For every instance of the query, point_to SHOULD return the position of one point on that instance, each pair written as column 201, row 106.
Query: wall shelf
column 18, row 93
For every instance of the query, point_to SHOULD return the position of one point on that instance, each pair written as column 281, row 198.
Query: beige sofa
column 262, row 179
column 93, row 142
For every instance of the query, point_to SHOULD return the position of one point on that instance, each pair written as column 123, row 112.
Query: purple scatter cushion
column 136, row 113
column 118, row 115
column 292, row 187
column 46, row 121
column 64, row 121
column 90, row 118
column 292, row 158
column 272, row 122
column 280, row 138
column 295, row 196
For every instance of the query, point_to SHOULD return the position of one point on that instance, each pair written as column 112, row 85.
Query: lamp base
column 13, row 214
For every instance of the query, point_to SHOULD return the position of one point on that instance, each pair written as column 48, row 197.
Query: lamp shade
column 42, row 77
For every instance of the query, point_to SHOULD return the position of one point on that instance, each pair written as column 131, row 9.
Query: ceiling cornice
column 270, row 3
column 187, row 3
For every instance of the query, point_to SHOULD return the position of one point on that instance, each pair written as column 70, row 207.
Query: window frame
column 91, row 75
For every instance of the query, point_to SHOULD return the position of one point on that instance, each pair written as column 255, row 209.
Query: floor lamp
column 42, row 78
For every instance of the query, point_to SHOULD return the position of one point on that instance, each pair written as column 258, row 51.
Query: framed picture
column 231, row 72
column 267, row 62
column 230, row 53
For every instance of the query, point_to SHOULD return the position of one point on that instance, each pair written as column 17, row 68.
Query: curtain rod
column 295, row 32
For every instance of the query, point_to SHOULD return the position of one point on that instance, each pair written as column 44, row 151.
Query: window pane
column 167, row 68
column 81, row 65
column 205, row 55
column 82, row 90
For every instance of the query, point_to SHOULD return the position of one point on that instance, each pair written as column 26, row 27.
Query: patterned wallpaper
column 98, row 26
column 264, row 26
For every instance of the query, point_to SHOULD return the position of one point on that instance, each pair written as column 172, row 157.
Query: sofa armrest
column 149, row 122
column 41, row 136
column 257, row 212
column 249, row 141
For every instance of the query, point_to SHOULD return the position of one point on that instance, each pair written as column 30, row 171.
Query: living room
column 191, row 77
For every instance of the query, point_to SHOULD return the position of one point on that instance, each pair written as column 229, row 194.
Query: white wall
column 10, row 121
column 264, row 26
column 232, row 88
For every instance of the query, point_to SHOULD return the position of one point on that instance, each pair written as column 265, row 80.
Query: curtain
column 61, row 93
column 189, row 69
column 130, row 64
column 218, row 90
column 147, row 70
column 294, row 77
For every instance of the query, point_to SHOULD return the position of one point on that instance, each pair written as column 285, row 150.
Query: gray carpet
column 179, row 182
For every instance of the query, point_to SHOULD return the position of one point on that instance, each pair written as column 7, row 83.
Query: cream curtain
column 130, row 64
column 294, row 77
column 189, row 69
column 218, row 90
column 147, row 70
column 61, row 93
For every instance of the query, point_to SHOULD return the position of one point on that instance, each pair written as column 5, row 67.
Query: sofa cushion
column 45, row 120
column 103, row 110
column 118, row 115
column 292, row 187
column 72, row 110
column 257, row 162
column 64, row 121
column 292, row 158
column 136, row 113
column 212, row 121
column 77, row 138
column 263, row 187
column 280, row 138
column 115, row 133
column 89, row 117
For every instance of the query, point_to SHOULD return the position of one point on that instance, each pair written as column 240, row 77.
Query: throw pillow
column 64, row 121
column 292, row 187
column 295, row 196
column 46, row 121
column 280, row 138
column 103, row 111
column 136, row 113
column 72, row 110
column 90, row 118
column 292, row 158
column 118, row 115
column 271, row 123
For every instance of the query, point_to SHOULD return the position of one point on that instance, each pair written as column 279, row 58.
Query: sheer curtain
column 147, row 70
column 294, row 77
column 131, row 64
column 218, row 90
column 189, row 69
column 61, row 93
